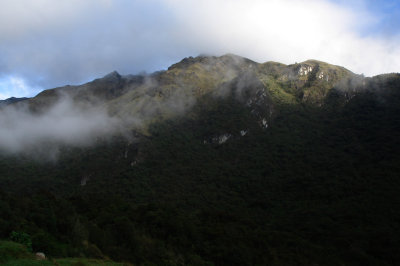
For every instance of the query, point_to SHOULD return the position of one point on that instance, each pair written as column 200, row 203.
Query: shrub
column 22, row 238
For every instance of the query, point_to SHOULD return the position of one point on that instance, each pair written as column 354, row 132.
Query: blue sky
column 47, row 43
column 385, row 12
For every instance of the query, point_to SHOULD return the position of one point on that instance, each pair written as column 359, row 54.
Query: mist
column 64, row 123
column 79, row 117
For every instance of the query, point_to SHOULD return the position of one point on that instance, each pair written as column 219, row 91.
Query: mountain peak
column 230, row 60
column 112, row 76
column 187, row 61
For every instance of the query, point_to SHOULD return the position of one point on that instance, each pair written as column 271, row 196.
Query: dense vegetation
column 16, row 254
column 318, row 186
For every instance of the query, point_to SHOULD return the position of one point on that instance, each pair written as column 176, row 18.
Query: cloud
column 65, row 123
column 51, row 44
column 80, row 117
column 288, row 31
column 12, row 86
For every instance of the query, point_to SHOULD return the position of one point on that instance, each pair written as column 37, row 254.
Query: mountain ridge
column 229, row 59
column 132, row 104
column 220, row 162
column 164, row 94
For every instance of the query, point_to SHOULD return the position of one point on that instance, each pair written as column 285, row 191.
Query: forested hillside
column 237, row 163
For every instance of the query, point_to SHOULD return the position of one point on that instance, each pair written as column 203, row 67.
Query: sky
column 47, row 43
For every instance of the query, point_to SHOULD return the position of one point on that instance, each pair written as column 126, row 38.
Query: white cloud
column 65, row 123
column 287, row 31
column 54, row 43
column 12, row 86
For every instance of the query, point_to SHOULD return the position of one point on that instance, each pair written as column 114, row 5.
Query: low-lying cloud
column 41, row 127
column 65, row 123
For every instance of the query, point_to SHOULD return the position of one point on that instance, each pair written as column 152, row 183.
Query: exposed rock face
column 304, row 70
column 264, row 123
column 222, row 139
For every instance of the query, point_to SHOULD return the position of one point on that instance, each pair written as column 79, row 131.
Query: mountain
column 220, row 161
column 11, row 101
column 165, row 94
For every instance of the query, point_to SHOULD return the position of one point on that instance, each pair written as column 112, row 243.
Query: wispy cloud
column 43, row 134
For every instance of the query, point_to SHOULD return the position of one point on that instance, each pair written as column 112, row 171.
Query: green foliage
column 28, row 262
column 11, row 250
column 61, row 262
column 22, row 238
column 84, row 262
column 15, row 254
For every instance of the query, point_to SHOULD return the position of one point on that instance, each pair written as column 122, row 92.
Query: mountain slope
column 165, row 94
column 261, row 164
